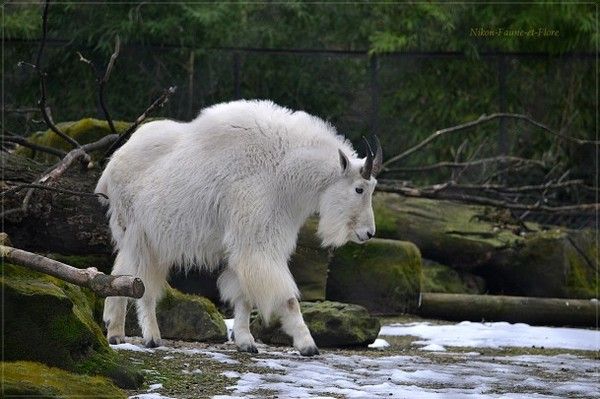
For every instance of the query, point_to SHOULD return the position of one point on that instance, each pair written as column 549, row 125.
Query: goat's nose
column 370, row 235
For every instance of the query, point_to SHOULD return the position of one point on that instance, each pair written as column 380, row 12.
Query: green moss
column 582, row 258
column 455, row 234
column 331, row 324
column 441, row 278
column 382, row 275
column 85, row 131
column 53, row 322
column 27, row 379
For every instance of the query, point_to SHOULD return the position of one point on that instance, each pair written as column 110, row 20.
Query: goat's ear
column 344, row 162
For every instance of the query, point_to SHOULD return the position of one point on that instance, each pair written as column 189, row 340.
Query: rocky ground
column 410, row 367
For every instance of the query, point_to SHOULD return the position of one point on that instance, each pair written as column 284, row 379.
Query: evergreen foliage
column 186, row 45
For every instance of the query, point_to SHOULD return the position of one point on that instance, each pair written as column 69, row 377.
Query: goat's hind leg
column 229, row 287
column 154, row 278
column 115, row 308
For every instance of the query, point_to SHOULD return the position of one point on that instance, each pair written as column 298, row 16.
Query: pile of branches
column 485, row 181
column 79, row 154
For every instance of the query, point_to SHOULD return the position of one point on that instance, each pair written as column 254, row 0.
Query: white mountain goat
column 234, row 184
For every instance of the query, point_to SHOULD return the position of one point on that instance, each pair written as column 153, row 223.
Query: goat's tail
column 102, row 188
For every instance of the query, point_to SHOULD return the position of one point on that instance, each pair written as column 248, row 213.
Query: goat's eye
column 359, row 190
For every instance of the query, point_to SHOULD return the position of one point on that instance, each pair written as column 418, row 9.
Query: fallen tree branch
column 459, row 165
column 102, row 284
column 438, row 193
column 36, row 147
column 20, row 187
column 508, row 189
column 159, row 102
column 483, row 119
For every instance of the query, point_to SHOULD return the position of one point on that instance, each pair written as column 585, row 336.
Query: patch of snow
column 168, row 357
column 497, row 335
column 154, row 387
column 470, row 376
column 194, row 371
column 434, row 348
column 231, row 374
column 220, row 357
column 130, row 347
column 152, row 395
column 379, row 344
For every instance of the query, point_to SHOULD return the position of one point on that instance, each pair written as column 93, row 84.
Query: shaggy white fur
column 234, row 184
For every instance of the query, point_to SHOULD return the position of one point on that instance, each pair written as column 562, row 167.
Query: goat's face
column 345, row 208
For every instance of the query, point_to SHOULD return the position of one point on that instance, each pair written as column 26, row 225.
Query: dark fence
column 401, row 97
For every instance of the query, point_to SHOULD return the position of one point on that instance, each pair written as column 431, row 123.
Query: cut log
column 514, row 309
column 102, row 284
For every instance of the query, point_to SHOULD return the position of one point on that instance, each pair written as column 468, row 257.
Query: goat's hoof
column 250, row 348
column 153, row 343
column 310, row 351
column 116, row 339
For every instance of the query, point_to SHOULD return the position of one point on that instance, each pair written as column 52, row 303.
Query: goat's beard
column 333, row 228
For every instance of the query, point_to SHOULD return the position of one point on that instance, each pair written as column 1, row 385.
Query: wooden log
column 102, row 284
column 514, row 309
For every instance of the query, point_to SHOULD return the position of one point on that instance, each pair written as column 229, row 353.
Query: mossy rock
column 30, row 379
column 85, row 131
column 331, row 324
column 184, row 317
column 556, row 263
column 444, row 279
column 454, row 234
column 382, row 275
column 309, row 264
column 488, row 242
column 52, row 322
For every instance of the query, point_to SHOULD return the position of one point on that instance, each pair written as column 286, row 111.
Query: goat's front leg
column 293, row 325
column 241, row 327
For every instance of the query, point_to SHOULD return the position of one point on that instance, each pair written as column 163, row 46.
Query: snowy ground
column 420, row 360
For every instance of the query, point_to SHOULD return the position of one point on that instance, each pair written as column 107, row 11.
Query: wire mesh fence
column 401, row 97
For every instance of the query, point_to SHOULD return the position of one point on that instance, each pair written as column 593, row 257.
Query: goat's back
column 194, row 189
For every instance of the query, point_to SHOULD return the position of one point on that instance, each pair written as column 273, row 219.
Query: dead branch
column 36, row 147
column 102, row 80
column 42, row 102
column 459, row 165
column 159, row 102
column 102, row 284
column 438, row 192
column 517, row 189
column 483, row 119
column 20, row 187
